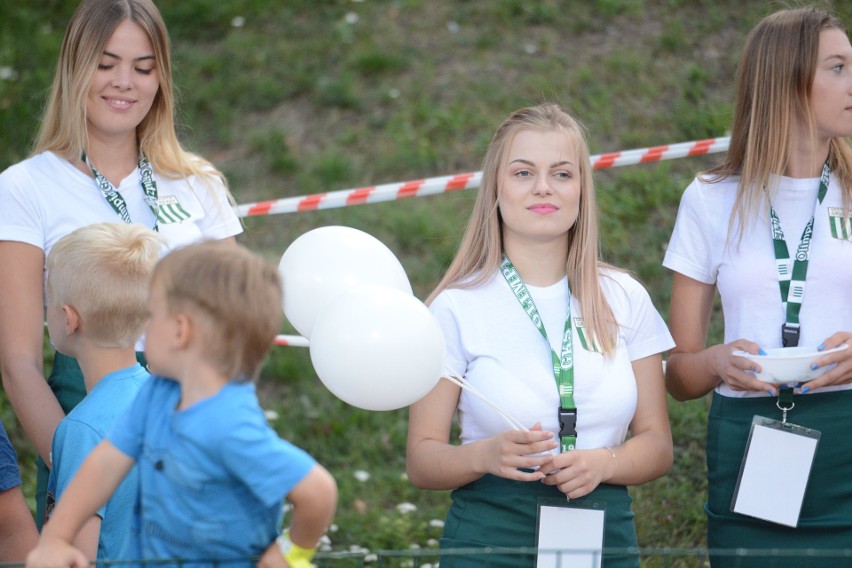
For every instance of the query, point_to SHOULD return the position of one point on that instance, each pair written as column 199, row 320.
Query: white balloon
column 377, row 348
column 328, row 261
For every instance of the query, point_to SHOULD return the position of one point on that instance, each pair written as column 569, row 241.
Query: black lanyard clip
column 567, row 422
column 790, row 335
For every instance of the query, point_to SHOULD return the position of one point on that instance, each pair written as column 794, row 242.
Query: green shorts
column 497, row 512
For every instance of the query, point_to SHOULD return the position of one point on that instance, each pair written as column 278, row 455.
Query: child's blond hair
column 233, row 294
column 103, row 271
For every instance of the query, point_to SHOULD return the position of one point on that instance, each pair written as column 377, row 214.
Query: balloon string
column 470, row 388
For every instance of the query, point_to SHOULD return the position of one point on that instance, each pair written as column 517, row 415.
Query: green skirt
column 825, row 523
column 497, row 512
column 66, row 382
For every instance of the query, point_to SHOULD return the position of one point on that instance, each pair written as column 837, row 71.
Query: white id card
column 570, row 533
column 775, row 471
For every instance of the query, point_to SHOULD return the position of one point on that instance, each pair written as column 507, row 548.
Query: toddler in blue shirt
column 213, row 475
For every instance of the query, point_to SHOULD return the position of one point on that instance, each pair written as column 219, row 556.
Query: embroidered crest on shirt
column 841, row 223
column 585, row 341
column 171, row 211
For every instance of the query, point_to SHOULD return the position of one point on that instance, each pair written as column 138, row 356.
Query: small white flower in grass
column 271, row 415
column 333, row 528
column 7, row 74
column 436, row 524
column 238, row 22
column 358, row 549
column 530, row 48
column 453, row 27
column 406, row 508
column 351, row 18
column 371, row 558
column 361, row 475
column 432, row 542
column 325, row 540
column 394, row 93
column 414, row 546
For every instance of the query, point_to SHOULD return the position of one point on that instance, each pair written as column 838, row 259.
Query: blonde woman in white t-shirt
column 533, row 234
column 789, row 166
column 107, row 152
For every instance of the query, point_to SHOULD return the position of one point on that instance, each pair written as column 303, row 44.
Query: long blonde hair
column 481, row 250
column 774, row 82
column 63, row 128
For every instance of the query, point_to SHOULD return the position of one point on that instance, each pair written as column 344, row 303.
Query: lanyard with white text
column 792, row 283
column 563, row 366
column 116, row 201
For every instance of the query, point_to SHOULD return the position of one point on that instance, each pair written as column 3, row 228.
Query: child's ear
column 184, row 329
column 72, row 319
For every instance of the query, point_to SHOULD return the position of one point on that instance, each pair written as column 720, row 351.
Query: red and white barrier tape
column 444, row 184
column 432, row 186
column 291, row 340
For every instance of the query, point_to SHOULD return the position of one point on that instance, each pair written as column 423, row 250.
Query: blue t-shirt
column 10, row 475
column 77, row 435
column 213, row 476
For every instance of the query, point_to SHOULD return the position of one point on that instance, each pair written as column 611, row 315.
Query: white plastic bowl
column 789, row 364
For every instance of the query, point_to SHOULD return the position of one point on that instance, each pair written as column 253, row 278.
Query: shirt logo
column 171, row 211
column 840, row 221
column 587, row 344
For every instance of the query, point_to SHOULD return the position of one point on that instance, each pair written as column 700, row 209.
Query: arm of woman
column 691, row 370
column 21, row 343
column 434, row 463
column 648, row 454
column 645, row 456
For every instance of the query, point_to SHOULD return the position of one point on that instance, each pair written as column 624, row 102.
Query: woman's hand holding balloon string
column 579, row 472
column 507, row 454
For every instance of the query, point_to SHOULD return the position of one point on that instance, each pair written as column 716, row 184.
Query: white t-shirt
column 43, row 198
column 492, row 343
column 746, row 275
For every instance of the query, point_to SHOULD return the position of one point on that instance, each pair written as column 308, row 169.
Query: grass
column 296, row 97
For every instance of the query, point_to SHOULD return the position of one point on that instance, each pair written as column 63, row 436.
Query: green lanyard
column 563, row 365
column 114, row 198
column 792, row 285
